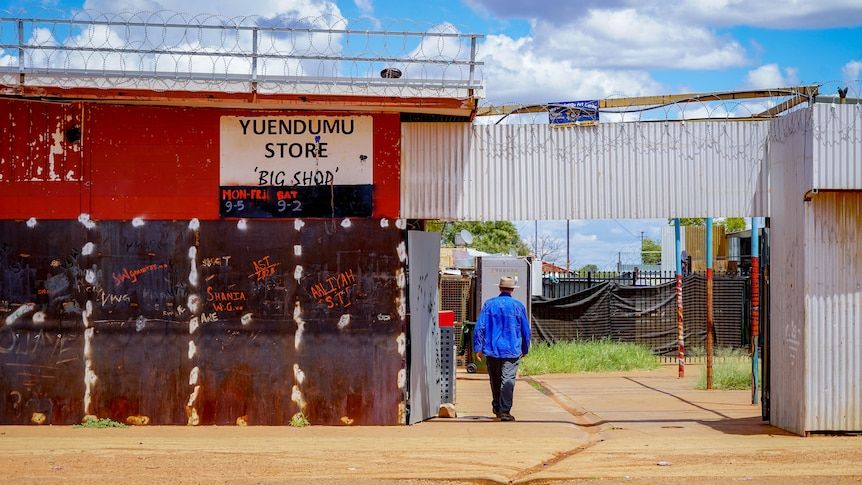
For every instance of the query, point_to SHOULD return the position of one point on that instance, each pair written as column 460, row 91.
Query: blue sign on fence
column 573, row 112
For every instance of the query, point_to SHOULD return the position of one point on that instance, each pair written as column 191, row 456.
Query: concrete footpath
column 641, row 427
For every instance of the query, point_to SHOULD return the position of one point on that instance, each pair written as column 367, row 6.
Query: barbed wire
column 166, row 50
column 707, row 106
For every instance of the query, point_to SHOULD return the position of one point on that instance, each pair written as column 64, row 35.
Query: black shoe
column 506, row 417
column 498, row 414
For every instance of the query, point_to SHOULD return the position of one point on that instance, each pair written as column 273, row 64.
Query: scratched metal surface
column 140, row 339
column 352, row 366
column 247, row 368
column 290, row 317
column 40, row 362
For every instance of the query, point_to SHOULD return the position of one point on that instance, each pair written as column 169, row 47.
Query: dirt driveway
column 641, row 427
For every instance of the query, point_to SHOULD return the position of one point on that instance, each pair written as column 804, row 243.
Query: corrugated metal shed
column 617, row 170
column 833, row 300
column 789, row 156
column 816, row 260
column 837, row 147
column 833, row 292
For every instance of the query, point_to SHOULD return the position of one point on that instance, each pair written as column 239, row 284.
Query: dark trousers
column 501, row 373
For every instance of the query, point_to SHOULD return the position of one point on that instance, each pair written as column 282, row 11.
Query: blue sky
column 543, row 51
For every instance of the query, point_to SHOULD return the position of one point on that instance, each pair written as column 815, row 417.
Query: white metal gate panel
column 423, row 262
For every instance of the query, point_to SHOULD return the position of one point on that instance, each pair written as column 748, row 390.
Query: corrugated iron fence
column 611, row 307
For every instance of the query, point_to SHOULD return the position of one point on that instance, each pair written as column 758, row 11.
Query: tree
column 549, row 249
column 733, row 224
column 588, row 268
column 689, row 221
column 490, row 237
column 650, row 251
column 730, row 224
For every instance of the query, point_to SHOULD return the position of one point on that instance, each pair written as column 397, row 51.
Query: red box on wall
column 446, row 318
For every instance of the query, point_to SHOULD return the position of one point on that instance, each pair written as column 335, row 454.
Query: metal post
column 755, row 307
column 679, row 324
column 536, row 239
column 710, row 324
column 642, row 248
column 472, row 60
column 568, row 251
column 20, row 51
column 254, row 59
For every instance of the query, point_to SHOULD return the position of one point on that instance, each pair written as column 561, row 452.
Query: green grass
column 731, row 370
column 587, row 356
column 299, row 421
column 91, row 422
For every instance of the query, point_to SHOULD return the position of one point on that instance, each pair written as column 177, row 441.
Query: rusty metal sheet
column 41, row 336
column 247, row 329
column 139, row 340
column 352, row 298
column 204, row 322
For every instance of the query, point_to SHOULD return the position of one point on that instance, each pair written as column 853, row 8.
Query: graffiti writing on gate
column 217, row 261
column 336, row 291
column 226, row 301
column 132, row 275
column 263, row 269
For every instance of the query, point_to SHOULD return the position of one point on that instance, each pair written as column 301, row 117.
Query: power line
column 625, row 229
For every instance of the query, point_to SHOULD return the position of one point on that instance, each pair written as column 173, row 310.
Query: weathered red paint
column 41, row 170
column 159, row 162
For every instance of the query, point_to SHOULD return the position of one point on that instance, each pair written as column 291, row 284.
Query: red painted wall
column 41, row 172
column 155, row 162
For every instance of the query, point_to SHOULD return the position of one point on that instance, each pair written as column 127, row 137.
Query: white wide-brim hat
column 507, row 282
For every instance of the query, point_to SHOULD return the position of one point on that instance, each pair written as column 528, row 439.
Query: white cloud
column 366, row 7
column 756, row 13
column 628, row 38
column 771, row 76
column 603, row 53
column 515, row 69
column 852, row 71
column 592, row 49
column 805, row 14
column 578, row 237
column 294, row 9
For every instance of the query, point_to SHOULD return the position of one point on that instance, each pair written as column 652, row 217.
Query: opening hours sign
column 296, row 166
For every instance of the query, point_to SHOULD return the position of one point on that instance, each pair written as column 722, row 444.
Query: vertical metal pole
column 254, row 59
column 680, row 335
column 710, row 324
column 642, row 248
column 568, row 250
column 472, row 61
column 755, row 307
column 20, row 51
column 536, row 239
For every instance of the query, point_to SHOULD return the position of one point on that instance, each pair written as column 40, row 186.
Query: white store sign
column 296, row 151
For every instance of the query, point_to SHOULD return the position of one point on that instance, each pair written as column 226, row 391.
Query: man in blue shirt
column 502, row 335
